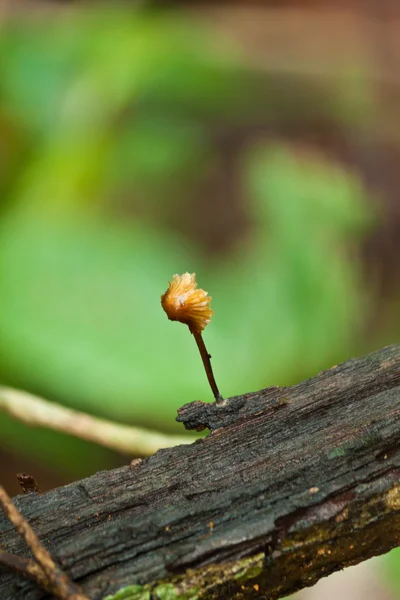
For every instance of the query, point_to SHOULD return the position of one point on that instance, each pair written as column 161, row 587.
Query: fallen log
column 291, row 485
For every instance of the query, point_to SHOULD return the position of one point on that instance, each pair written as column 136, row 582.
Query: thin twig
column 57, row 582
column 26, row 567
column 37, row 412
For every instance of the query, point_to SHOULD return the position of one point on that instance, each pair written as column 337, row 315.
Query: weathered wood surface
column 291, row 485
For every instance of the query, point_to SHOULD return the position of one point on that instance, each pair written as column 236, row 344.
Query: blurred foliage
column 392, row 570
column 103, row 136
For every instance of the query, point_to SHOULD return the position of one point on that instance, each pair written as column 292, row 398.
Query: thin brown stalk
column 26, row 567
column 207, row 365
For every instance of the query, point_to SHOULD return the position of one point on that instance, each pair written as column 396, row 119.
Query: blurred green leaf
column 152, row 149
column 124, row 104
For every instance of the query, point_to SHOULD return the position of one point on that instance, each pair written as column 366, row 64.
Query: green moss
column 250, row 569
column 248, row 574
column 195, row 584
column 168, row 591
column 336, row 452
column 131, row 592
column 283, row 401
column 371, row 439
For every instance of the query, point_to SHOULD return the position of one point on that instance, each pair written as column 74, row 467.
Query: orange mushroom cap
column 185, row 303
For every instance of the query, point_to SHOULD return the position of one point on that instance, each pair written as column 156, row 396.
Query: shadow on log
column 291, row 485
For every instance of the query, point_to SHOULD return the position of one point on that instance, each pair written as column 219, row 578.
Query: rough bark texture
column 291, row 485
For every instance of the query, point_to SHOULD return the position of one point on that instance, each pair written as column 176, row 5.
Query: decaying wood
column 291, row 485
column 42, row 569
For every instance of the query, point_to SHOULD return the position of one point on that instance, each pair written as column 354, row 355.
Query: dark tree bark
column 291, row 485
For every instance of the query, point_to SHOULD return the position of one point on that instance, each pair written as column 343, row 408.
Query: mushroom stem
column 207, row 365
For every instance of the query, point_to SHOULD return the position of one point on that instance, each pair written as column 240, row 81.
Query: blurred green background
column 137, row 144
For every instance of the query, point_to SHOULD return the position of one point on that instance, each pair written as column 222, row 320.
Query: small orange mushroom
column 183, row 301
